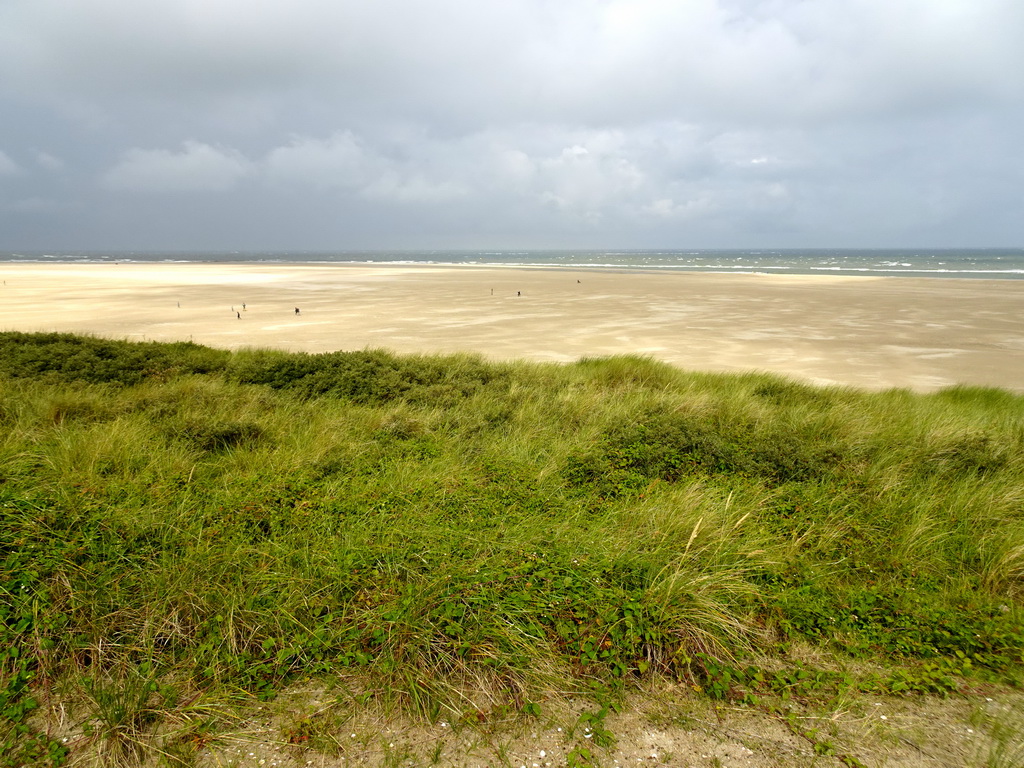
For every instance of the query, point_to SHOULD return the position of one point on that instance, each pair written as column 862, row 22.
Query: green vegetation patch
column 464, row 538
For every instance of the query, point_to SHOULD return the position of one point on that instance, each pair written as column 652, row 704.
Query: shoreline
column 845, row 272
column 871, row 332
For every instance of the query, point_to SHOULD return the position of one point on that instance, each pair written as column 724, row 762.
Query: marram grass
column 460, row 536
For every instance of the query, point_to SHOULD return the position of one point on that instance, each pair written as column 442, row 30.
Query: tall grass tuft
column 123, row 708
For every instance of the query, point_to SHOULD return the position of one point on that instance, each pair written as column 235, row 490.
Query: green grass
column 468, row 538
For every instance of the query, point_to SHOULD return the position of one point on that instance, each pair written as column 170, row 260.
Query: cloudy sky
column 350, row 124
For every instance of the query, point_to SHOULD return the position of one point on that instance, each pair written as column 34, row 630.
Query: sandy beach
column 874, row 333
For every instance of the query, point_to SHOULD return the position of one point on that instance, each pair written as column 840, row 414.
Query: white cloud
column 346, row 162
column 49, row 162
column 590, row 178
column 412, row 188
column 340, row 161
column 7, row 166
column 197, row 167
column 668, row 208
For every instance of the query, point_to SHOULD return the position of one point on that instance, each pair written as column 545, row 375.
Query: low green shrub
column 61, row 357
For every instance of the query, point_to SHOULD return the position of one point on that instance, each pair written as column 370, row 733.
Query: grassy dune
column 473, row 541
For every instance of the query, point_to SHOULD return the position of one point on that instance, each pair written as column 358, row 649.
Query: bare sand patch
column 876, row 333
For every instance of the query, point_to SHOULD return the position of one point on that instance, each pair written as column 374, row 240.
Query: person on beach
column 239, row 315
column 296, row 310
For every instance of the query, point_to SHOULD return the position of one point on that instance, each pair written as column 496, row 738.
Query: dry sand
column 876, row 333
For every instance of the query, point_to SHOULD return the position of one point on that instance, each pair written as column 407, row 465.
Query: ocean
column 977, row 263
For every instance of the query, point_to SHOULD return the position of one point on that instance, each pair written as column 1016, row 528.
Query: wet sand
column 875, row 333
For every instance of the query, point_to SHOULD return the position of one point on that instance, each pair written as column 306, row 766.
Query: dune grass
column 466, row 538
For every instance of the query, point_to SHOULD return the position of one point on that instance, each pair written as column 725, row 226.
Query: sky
column 510, row 124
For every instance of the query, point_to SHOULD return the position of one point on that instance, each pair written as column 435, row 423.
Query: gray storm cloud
column 453, row 123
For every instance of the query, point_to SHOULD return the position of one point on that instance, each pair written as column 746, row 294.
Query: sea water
column 989, row 263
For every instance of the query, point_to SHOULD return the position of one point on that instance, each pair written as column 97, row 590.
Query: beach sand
column 874, row 333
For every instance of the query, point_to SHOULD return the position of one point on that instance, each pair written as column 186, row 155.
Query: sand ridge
column 876, row 333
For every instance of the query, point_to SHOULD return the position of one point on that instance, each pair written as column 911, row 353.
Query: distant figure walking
column 243, row 307
column 239, row 315
column 519, row 293
column 297, row 311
